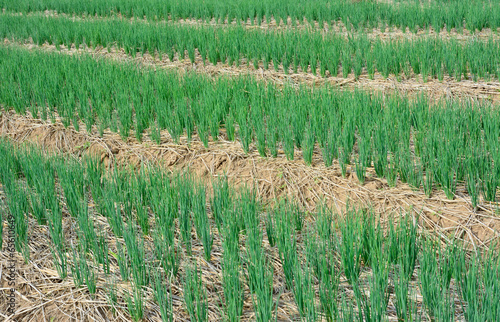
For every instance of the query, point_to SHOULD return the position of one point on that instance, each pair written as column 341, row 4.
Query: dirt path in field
column 413, row 85
column 274, row 178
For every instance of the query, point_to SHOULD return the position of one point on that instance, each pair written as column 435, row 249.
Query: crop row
column 473, row 15
column 328, row 54
column 178, row 214
column 443, row 145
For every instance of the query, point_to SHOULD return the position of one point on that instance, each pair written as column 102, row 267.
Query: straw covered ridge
column 272, row 177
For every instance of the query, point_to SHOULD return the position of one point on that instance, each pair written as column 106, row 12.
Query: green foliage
column 82, row 271
column 286, row 240
column 201, row 220
column 221, row 201
column 259, row 269
column 19, row 209
column 195, row 294
column 136, row 256
column 320, row 253
column 475, row 274
column 379, row 281
column 231, row 267
column 403, row 250
column 186, row 194
column 163, row 296
column 435, row 276
column 135, row 304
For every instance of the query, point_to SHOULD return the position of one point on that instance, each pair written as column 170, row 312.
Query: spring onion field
column 250, row 160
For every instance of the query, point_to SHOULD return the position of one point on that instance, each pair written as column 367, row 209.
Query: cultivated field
column 250, row 160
